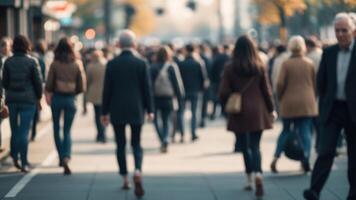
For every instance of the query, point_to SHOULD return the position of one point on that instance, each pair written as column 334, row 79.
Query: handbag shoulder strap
column 247, row 85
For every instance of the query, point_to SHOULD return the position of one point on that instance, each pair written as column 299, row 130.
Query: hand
column 275, row 115
column 150, row 116
column 105, row 120
column 39, row 105
column 48, row 98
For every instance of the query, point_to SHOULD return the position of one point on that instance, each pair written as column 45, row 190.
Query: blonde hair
column 296, row 44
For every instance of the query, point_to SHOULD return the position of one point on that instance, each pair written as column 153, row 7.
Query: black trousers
column 120, row 139
column 330, row 133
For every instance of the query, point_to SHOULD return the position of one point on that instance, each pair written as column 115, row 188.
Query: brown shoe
column 274, row 166
column 139, row 192
column 259, row 187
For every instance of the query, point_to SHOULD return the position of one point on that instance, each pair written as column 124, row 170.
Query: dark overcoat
column 257, row 102
column 127, row 92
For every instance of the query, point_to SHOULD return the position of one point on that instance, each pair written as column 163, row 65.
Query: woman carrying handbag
column 247, row 96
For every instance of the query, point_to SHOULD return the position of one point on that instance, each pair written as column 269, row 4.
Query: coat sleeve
column 282, row 81
column 107, row 90
column 177, row 82
column 321, row 76
column 37, row 79
column 81, row 82
column 267, row 92
column 225, row 89
column 147, row 89
column 50, row 82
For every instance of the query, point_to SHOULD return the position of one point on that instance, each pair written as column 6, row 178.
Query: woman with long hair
column 167, row 86
column 66, row 79
column 23, row 86
column 246, row 74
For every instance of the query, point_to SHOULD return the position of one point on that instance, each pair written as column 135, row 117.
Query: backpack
column 163, row 85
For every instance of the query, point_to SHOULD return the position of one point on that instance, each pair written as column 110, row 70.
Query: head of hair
column 64, row 51
column 348, row 18
column 41, row 47
column 189, row 48
column 164, row 54
column 296, row 45
column 245, row 60
column 127, row 39
column 21, row 44
column 310, row 43
column 281, row 48
column 97, row 55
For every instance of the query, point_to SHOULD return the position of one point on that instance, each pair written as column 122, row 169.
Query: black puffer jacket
column 22, row 79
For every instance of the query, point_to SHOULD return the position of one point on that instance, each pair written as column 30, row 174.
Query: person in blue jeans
column 168, row 85
column 23, row 87
column 297, row 96
column 66, row 79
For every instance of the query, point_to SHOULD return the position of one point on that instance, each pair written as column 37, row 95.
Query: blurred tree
column 143, row 20
column 277, row 11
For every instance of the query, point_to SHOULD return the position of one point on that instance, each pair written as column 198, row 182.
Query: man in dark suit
column 337, row 106
column 127, row 95
column 195, row 79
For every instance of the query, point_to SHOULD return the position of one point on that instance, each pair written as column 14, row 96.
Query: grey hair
column 347, row 17
column 296, row 44
column 127, row 39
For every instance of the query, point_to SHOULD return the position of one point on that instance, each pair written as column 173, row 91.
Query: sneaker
column 25, row 169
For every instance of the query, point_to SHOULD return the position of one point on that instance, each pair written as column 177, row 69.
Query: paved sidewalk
column 205, row 170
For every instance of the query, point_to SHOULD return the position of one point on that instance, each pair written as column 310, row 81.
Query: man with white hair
column 337, row 102
column 127, row 94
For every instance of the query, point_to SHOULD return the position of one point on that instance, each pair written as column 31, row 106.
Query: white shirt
column 343, row 63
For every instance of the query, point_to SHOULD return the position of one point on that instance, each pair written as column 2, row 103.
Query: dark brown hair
column 64, row 51
column 245, row 60
column 164, row 54
column 21, row 44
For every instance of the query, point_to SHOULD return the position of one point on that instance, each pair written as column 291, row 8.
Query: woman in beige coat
column 95, row 76
column 297, row 96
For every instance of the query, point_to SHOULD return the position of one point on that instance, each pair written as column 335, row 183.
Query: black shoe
column 25, row 169
column 195, row 138
column 306, row 166
column 17, row 164
column 310, row 195
column 67, row 170
column 202, row 125
column 274, row 167
column 164, row 148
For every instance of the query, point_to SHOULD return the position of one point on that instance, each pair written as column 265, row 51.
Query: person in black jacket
column 337, row 106
column 168, row 85
column 23, row 86
column 195, row 79
column 127, row 95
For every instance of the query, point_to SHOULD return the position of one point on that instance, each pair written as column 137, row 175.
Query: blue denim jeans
column 250, row 146
column 63, row 104
column 161, row 123
column 303, row 126
column 21, row 116
column 193, row 99
column 99, row 126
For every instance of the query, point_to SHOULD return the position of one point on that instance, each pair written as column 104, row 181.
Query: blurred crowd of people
column 285, row 82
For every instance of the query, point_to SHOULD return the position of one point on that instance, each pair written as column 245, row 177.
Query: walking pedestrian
column 167, row 85
column 95, row 83
column 195, row 79
column 297, row 96
column 66, row 79
column 337, row 102
column 247, row 75
column 127, row 95
column 23, row 86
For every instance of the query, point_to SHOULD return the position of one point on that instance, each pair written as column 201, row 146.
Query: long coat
column 257, row 102
column 127, row 89
column 296, row 88
column 95, row 81
column 327, row 83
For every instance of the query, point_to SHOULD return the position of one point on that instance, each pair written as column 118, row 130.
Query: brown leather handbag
column 233, row 104
column 4, row 112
